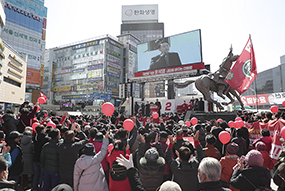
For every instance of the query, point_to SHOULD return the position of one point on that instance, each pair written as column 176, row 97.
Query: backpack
column 118, row 172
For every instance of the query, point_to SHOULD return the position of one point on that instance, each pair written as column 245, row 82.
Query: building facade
column 25, row 31
column 142, row 22
column 88, row 72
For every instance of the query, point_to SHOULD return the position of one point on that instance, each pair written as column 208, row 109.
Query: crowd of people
column 97, row 153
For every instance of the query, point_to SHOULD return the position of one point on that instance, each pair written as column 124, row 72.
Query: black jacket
column 7, row 184
column 17, row 166
column 134, row 180
column 160, row 61
column 258, row 176
column 39, row 140
column 68, row 154
column 185, row 173
column 212, row 186
column 10, row 123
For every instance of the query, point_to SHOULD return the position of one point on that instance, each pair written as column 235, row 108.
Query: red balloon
column 194, row 121
column 283, row 103
column 41, row 100
column 283, row 132
column 155, row 115
column 108, row 108
column 128, row 124
column 35, row 125
column 51, row 124
column 219, row 120
column 46, row 115
column 110, row 147
column 231, row 124
column 274, row 109
column 238, row 119
column 188, row 123
column 239, row 124
column 224, row 137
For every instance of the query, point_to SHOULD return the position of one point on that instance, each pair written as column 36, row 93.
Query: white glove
column 125, row 162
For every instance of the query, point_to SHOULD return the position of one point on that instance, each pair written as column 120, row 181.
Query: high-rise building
column 12, row 72
column 25, row 31
column 142, row 22
column 89, row 72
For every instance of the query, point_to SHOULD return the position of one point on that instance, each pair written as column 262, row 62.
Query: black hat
column 211, row 139
column 152, row 157
column 14, row 134
column 88, row 149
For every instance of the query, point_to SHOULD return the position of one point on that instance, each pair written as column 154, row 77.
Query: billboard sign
column 173, row 51
column 33, row 76
column 264, row 99
column 140, row 12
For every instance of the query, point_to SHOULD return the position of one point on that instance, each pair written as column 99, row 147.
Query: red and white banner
column 182, row 68
column 274, row 126
column 244, row 71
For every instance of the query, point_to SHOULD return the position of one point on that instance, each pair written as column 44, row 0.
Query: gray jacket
column 93, row 177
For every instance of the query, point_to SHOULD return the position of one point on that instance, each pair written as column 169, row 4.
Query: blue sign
column 78, row 70
column 94, row 67
column 113, row 75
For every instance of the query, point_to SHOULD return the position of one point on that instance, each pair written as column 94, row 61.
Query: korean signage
column 122, row 91
column 182, row 68
column 95, row 66
column 98, row 85
column 79, row 70
column 22, row 11
column 84, row 45
column 113, row 59
column 95, row 73
column 140, row 12
column 264, row 99
column 114, row 43
column 33, row 76
column 37, row 7
column 62, row 89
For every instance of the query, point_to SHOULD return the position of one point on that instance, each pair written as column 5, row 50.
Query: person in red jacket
column 228, row 162
column 119, row 149
column 268, row 163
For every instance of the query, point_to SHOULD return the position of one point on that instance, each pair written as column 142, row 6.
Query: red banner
column 244, row 71
column 274, row 126
column 182, row 68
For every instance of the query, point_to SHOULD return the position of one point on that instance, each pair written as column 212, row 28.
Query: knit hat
column 232, row 148
column 14, row 134
column 151, row 156
column 99, row 136
column 254, row 158
column 265, row 132
column 260, row 146
column 88, row 149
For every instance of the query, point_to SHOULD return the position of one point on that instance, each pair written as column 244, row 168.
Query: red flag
column 244, row 71
column 43, row 95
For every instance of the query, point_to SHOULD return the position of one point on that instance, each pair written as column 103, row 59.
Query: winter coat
column 212, row 186
column 98, row 146
column 7, row 184
column 68, row 154
column 227, row 163
column 10, row 123
column 242, row 145
column 114, row 185
column 211, row 151
column 50, row 155
column 258, row 176
column 39, row 139
column 268, row 142
column 27, row 146
column 134, row 179
column 26, row 120
column 267, row 163
column 92, row 177
column 151, row 174
column 185, row 173
column 178, row 143
column 17, row 159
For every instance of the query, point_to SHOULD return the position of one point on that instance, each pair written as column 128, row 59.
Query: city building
column 87, row 73
column 142, row 22
column 268, row 88
column 25, row 31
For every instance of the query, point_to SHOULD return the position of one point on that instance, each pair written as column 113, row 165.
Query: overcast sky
column 222, row 23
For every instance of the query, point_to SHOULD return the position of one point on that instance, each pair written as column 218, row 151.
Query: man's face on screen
column 164, row 47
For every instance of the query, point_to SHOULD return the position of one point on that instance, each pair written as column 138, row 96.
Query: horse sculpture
column 216, row 83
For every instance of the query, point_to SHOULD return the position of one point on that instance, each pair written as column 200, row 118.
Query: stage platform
column 203, row 116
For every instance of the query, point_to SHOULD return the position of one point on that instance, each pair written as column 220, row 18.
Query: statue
column 216, row 82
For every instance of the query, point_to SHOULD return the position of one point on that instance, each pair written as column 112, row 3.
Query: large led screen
column 173, row 51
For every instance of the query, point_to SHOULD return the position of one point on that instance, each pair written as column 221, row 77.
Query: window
column 10, row 81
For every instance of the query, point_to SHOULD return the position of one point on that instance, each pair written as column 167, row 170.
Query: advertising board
column 173, row 51
column 140, row 12
column 33, row 76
